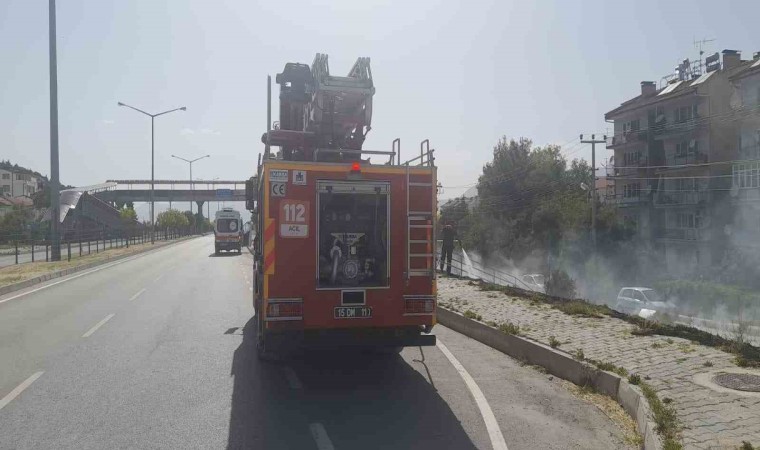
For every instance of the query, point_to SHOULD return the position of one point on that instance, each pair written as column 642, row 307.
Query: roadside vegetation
column 746, row 355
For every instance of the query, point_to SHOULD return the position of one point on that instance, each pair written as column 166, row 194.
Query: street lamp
column 152, row 161
column 191, row 161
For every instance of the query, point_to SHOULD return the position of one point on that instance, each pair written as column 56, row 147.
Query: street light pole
column 152, row 162
column 190, row 162
column 55, row 189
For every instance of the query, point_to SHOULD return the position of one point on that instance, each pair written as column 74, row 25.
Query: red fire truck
column 344, row 248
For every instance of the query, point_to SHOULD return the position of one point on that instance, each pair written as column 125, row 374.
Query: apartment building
column 674, row 149
column 745, row 187
column 18, row 183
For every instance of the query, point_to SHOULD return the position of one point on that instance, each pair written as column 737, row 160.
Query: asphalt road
column 157, row 351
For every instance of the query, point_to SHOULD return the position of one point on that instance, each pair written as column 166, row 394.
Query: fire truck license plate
column 353, row 312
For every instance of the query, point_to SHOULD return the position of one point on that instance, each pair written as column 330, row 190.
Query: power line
column 683, row 166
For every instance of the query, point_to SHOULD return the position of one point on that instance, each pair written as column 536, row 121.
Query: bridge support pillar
column 200, row 208
column 199, row 215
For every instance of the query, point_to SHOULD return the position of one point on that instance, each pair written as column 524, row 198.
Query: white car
column 535, row 282
column 641, row 301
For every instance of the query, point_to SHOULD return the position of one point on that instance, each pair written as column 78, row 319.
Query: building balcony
column 682, row 160
column 749, row 195
column 627, row 137
column 620, row 199
column 671, row 198
column 626, row 170
column 683, row 234
column 673, row 129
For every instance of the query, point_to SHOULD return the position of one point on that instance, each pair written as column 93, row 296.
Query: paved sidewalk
column 710, row 419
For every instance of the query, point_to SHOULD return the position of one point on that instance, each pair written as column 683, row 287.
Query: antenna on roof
column 700, row 45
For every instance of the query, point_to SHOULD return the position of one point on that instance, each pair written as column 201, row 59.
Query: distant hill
column 7, row 165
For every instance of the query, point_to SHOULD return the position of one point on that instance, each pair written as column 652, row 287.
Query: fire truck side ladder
column 420, row 219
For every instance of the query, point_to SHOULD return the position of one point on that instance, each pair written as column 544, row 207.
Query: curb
column 561, row 365
column 61, row 273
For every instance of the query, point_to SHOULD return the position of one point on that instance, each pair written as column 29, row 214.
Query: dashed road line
column 158, row 277
column 19, row 389
column 292, row 378
column 494, row 432
column 74, row 277
column 137, row 295
column 320, row 436
column 98, row 325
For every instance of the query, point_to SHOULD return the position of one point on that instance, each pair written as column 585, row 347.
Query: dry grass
column 27, row 271
column 611, row 409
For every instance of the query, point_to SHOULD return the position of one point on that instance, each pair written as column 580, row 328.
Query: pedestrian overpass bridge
column 119, row 192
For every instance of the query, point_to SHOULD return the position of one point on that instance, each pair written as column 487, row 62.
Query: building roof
column 679, row 88
column 746, row 69
column 668, row 92
column 22, row 201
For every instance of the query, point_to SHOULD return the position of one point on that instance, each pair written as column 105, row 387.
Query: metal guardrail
column 484, row 273
column 17, row 249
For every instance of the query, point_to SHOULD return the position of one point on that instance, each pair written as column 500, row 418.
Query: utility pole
column 593, row 141
column 55, row 190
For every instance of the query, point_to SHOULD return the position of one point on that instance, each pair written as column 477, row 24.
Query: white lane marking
column 19, row 389
column 158, row 277
column 292, row 378
column 98, row 325
column 320, row 436
column 74, row 277
column 137, row 295
column 494, row 432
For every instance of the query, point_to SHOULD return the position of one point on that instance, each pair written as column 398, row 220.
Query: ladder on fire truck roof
column 420, row 219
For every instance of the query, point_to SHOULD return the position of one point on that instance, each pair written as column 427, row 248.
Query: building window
column 632, row 158
column 746, row 175
column 685, row 113
column 681, row 148
column 6, row 188
column 631, row 190
column 685, row 220
column 6, row 176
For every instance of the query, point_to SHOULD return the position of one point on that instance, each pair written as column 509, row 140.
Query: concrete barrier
column 562, row 365
column 62, row 273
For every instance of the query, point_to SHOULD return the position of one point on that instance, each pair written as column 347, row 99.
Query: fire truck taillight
column 355, row 167
column 419, row 304
column 284, row 309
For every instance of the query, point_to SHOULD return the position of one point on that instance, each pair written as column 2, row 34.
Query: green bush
column 471, row 315
column 559, row 284
column 509, row 328
column 582, row 308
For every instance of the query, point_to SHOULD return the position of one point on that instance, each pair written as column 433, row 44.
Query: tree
column 14, row 223
column 128, row 215
column 41, row 198
column 191, row 218
column 172, row 219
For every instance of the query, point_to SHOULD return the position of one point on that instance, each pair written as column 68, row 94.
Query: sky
column 462, row 74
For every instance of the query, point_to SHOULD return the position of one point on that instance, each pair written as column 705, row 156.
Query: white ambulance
column 228, row 231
